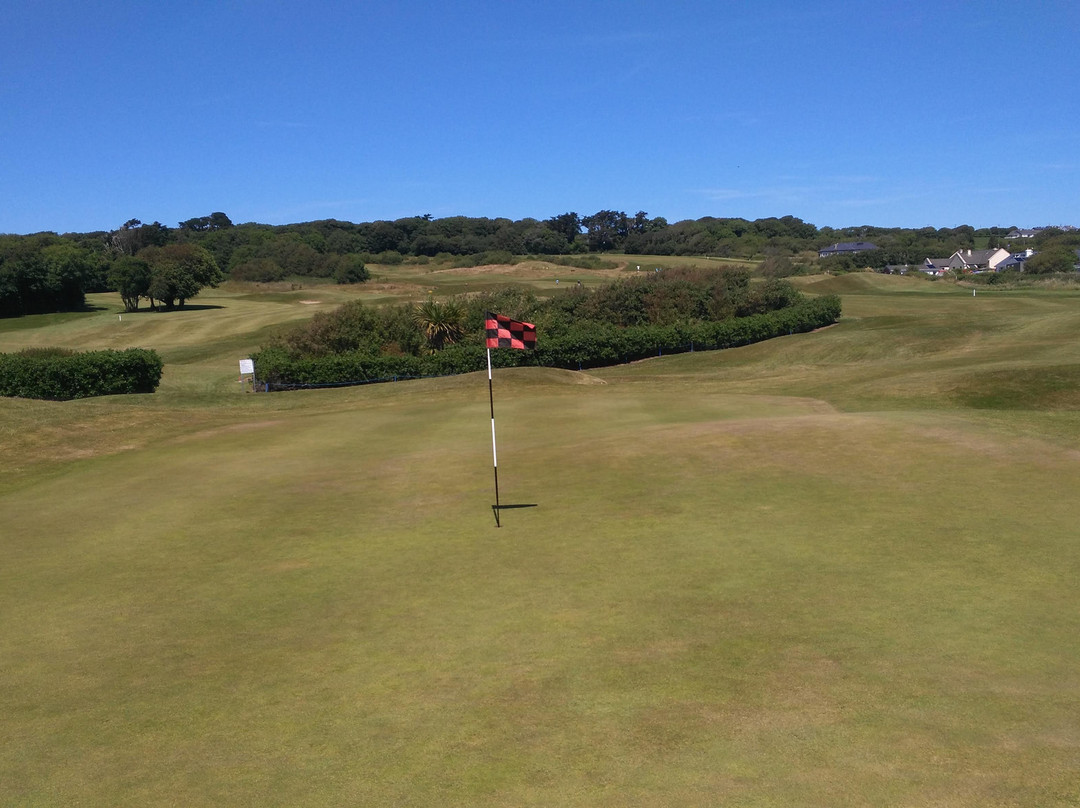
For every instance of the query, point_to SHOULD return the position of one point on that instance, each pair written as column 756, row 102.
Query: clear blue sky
column 892, row 113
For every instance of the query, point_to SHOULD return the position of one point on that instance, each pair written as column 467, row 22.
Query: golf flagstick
column 494, row 454
column 502, row 332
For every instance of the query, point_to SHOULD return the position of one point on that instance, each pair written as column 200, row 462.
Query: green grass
column 832, row 569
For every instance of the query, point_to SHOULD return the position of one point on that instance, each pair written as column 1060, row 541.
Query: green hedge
column 57, row 375
column 586, row 345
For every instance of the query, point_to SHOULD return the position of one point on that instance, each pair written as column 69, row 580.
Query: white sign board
column 247, row 366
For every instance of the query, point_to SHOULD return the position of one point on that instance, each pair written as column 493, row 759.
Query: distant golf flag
column 502, row 332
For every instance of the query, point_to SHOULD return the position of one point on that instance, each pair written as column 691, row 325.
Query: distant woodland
column 163, row 267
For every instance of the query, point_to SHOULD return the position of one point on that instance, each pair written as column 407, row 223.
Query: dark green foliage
column 215, row 221
column 388, row 257
column 771, row 295
column 566, row 225
column 275, row 366
column 1055, row 258
column 130, row 276
column 59, row 375
column 67, row 271
column 350, row 269
column 257, row 270
column 44, row 273
column 788, row 245
column 354, row 327
column 676, row 310
column 351, row 327
column 133, row 236
column 340, row 250
column 854, row 262
column 581, row 261
column 590, row 345
column 178, row 272
column 442, row 324
column 613, row 230
column 485, row 259
column 584, row 345
column 225, row 242
column 513, row 301
column 675, row 295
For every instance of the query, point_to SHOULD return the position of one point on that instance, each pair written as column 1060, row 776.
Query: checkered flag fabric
column 502, row 332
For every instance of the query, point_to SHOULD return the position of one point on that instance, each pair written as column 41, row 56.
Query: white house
column 972, row 260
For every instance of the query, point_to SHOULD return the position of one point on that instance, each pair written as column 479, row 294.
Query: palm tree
column 440, row 322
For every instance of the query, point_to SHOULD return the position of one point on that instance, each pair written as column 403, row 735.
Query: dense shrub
column 644, row 315
column 353, row 327
column 582, row 261
column 580, row 345
column 257, row 270
column 59, row 375
column 677, row 294
column 483, row 259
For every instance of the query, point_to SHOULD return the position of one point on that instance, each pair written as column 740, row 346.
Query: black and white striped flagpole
column 494, row 454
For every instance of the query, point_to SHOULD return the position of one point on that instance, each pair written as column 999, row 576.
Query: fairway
column 831, row 569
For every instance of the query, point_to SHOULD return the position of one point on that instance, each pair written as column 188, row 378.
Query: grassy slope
column 834, row 569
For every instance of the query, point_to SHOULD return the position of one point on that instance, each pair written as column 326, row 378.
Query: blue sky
column 894, row 113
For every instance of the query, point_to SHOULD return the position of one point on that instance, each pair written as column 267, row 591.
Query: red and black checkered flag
column 502, row 332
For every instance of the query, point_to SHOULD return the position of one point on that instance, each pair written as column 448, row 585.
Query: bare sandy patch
column 227, row 430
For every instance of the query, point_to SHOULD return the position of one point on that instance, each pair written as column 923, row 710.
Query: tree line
column 165, row 266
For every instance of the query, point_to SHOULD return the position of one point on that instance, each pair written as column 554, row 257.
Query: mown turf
column 825, row 570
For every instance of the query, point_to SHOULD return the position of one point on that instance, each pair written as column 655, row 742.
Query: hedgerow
column 584, row 344
column 59, row 375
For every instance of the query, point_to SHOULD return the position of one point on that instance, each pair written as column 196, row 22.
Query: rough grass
column 833, row 569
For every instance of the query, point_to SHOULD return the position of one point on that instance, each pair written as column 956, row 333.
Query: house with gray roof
column 1014, row 261
column 936, row 266
column 846, row 248
column 977, row 260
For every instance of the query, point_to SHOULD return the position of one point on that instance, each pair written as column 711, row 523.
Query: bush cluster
column 676, row 295
column 582, row 345
column 582, row 261
column 59, row 375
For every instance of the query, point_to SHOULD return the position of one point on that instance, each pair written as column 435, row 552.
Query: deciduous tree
column 178, row 272
column 133, row 236
column 606, row 229
column 1052, row 259
column 130, row 276
column 566, row 224
column 215, row 221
